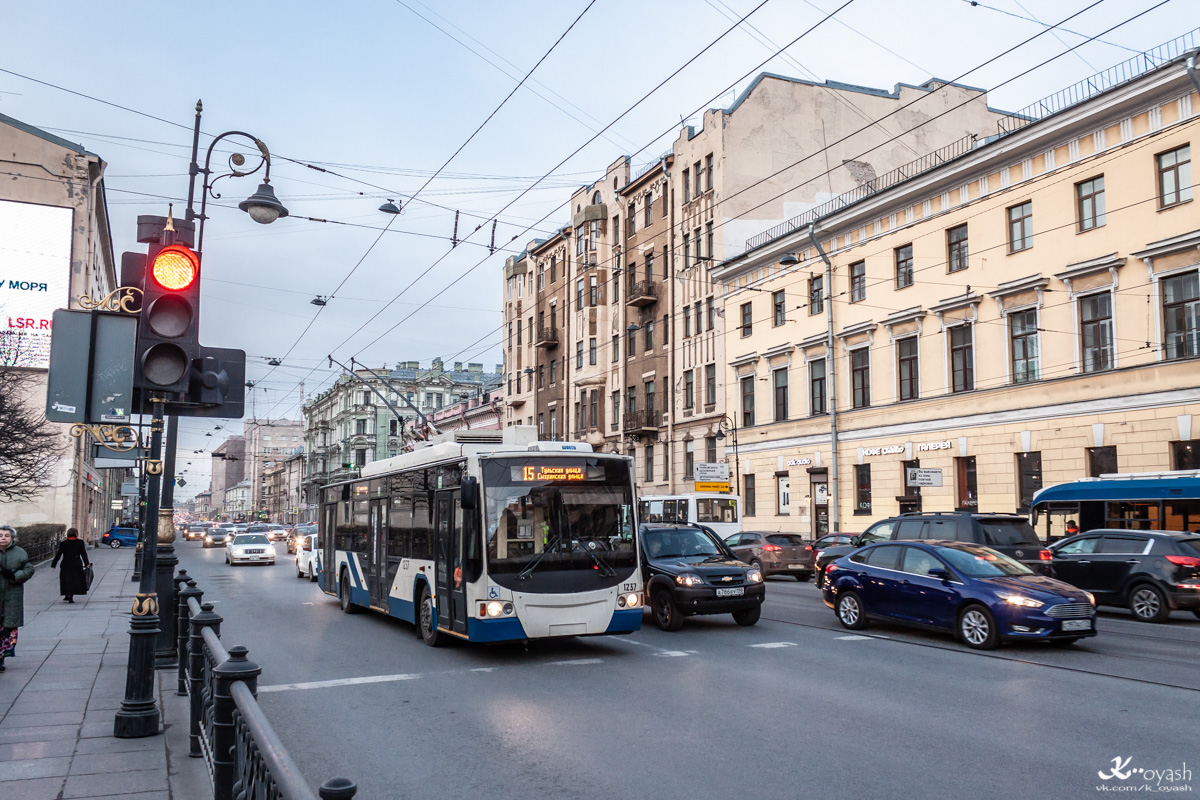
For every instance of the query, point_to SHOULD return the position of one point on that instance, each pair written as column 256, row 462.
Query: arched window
column 596, row 199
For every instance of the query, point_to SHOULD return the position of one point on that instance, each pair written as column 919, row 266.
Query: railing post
column 205, row 619
column 237, row 668
column 337, row 789
column 184, row 630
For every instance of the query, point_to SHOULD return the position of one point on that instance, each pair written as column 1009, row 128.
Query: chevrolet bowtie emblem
column 727, row 579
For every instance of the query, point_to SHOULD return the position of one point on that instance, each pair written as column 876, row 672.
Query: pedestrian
column 73, row 578
column 15, row 569
column 1072, row 528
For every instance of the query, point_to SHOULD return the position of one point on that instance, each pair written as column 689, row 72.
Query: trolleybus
column 721, row 512
column 1148, row 501
column 486, row 537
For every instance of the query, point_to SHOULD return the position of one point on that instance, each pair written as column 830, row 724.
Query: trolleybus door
column 377, row 577
column 451, row 580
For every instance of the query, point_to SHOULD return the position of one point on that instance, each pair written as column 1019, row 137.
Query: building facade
column 239, row 499
column 228, row 468
column 268, row 444
column 1027, row 313
column 204, row 506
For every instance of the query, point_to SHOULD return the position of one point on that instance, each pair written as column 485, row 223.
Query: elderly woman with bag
column 73, row 578
column 15, row 569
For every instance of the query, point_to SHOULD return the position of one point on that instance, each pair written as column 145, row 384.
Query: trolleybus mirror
column 469, row 492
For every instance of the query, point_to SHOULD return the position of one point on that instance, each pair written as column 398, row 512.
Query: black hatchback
column 1151, row 573
column 687, row 570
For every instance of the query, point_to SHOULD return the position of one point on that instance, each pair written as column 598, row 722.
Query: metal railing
column 642, row 420
column 42, row 549
column 246, row 759
column 644, row 168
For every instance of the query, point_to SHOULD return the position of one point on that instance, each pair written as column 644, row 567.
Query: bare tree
column 29, row 444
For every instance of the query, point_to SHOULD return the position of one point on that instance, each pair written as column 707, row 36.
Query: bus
column 1149, row 501
column 488, row 536
column 721, row 512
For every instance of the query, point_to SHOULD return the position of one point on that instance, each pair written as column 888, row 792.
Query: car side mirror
column 939, row 573
column 856, row 541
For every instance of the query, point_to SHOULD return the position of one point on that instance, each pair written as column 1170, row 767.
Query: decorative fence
column 245, row 758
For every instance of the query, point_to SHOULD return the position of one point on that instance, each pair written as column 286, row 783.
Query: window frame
column 860, row 377
column 1084, row 220
column 747, row 319
column 911, row 362
column 1105, row 324
column 746, row 403
column 1160, row 172
column 862, row 490
column 778, row 308
column 1024, row 338
column 780, row 393
column 816, row 409
column 958, row 251
column 962, row 370
column 816, row 295
column 903, row 257
column 1025, row 221
column 858, row 281
column 1186, row 338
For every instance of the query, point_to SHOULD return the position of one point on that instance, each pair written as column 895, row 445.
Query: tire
column 977, row 628
column 819, row 579
column 312, row 573
column 425, row 624
column 803, row 577
column 1147, row 603
column 114, row 544
column 756, row 564
column 666, row 612
column 747, row 616
column 850, row 612
column 1197, row 612
column 344, row 596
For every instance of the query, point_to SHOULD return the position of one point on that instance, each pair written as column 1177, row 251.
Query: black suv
column 688, row 570
column 1149, row 572
column 1010, row 534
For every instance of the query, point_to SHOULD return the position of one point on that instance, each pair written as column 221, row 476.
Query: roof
column 49, row 137
column 1164, row 486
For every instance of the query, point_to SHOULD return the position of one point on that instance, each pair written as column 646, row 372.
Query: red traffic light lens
column 175, row 267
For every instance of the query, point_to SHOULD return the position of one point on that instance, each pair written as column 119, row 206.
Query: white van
column 721, row 512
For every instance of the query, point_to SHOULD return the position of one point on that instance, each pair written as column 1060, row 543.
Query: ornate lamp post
column 727, row 424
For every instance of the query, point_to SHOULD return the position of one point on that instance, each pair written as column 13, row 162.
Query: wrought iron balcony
column 642, row 293
column 642, row 421
column 546, row 337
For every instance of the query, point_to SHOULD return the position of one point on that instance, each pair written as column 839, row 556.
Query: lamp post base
column 139, row 715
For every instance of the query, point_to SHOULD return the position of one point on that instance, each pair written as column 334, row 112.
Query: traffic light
column 168, row 330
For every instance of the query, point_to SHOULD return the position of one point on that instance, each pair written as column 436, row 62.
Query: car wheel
column 429, row 632
column 747, row 616
column 803, row 577
column 756, row 564
column 666, row 613
column 819, row 579
column 344, row 592
column 850, row 611
column 977, row 627
column 114, row 544
column 312, row 573
column 1148, row 604
column 1196, row 612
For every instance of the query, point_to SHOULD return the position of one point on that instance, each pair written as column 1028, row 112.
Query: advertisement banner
column 35, row 279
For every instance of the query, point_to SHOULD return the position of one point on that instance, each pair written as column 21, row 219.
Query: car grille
column 254, row 551
column 727, row 580
column 1070, row 610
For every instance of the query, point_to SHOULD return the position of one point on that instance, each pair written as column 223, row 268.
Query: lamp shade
column 262, row 206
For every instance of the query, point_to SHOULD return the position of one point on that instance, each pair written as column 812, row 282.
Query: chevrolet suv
column 687, row 570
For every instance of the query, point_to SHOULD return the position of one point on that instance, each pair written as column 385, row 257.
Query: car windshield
column 786, row 539
column 680, row 543
column 981, row 562
column 257, row 529
column 1008, row 532
column 250, row 538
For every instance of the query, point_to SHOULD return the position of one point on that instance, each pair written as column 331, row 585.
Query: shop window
column 1029, row 478
column 1185, row 455
column 966, row 484
column 1101, row 461
column 862, row 489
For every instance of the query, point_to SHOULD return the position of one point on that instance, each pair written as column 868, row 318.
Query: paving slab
column 42, row 749
column 98, row 763
column 27, row 768
column 39, row 718
column 39, row 733
column 124, row 783
column 36, row 789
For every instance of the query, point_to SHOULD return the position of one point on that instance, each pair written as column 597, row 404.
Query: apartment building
column 631, row 357
column 269, row 442
column 1025, row 314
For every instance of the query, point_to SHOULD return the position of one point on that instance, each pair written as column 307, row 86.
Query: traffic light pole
column 139, row 715
column 166, row 652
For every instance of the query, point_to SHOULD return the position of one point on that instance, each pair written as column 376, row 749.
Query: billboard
column 35, row 279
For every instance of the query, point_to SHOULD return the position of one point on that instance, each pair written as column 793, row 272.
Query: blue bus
column 1148, row 501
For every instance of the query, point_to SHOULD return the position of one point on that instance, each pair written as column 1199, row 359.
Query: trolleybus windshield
column 558, row 524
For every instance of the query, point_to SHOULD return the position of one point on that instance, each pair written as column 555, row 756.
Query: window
column 748, row 505
column 816, row 294
column 858, row 282
column 649, row 463
column 649, row 212
column 541, row 376
column 956, row 249
column 687, row 186
column 962, row 359
column 1029, row 478
column 553, row 367
column 593, row 290
column 710, row 384
column 862, row 489
column 747, row 385
column 689, row 460
column 747, row 320
column 616, row 348
column 631, row 400
column 699, row 242
column 649, row 389
column 631, row 277
column 1023, row 335
column 860, row 376
column 541, row 424
column 699, row 178
column 1095, row 319
column 687, row 256
column 783, row 495
column 708, row 239
column 1020, row 227
column 778, row 308
column 904, row 266
column 779, row 378
column 649, row 267
column 708, row 172
column 710, row 449
column 360, row 427
column 592, row 351
column 579, row 355
column 1101, row 461
column 631, row 226
column 554, row 267
column 360, row 458
column 616, row 407
column 966, row 484
column 1181, row 315
column 510, row 335
column 687, row 320
column 1185, row 455
column 580, row 240
column 519, row 330
column 816, row 386
column 697, row 313
column 666, row 328
column 1175, row 176
column 648, row 328
column 579, row 298
column 631, row 343
column 710, row 312
column 666, row 461
column 912, row 494
column 553, row 425
column 1089, row 203
column 689, row 389
column 907, row 368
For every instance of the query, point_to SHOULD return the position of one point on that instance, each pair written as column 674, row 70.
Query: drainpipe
column 1191, row 69
column 831, row 372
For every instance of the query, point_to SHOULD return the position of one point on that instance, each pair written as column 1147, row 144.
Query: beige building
column 268, row 443
column 284, row 491
column 1025, row 314
column 614, row 330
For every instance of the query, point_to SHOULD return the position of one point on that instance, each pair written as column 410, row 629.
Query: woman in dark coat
column 15, row 569
column 73, row 578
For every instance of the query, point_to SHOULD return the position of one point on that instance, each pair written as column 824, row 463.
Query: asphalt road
column 794, row 706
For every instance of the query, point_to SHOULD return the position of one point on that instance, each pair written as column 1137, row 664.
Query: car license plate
column 1077, row 625
column 736, row 591
column 255, row 558
column 797, row 566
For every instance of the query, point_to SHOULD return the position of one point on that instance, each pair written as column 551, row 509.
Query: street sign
column 712, row 471
column 712, row 486
column 91, row 367
column 915, row 476
column 180, row 482
column 116, row 505
column 103, row 458
column 129, row 489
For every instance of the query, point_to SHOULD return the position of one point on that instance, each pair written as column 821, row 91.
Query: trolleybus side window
column 422, row 523
column 399, row 526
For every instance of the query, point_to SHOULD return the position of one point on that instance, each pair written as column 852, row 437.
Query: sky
column 382, row 94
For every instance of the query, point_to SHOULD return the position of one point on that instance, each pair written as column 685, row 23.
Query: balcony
column 642, row 293
column 642, row 421
column 546, row 337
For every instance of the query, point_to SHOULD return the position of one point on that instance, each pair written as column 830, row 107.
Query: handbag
column 88, row 575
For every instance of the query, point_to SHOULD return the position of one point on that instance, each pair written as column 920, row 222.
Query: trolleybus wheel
column 425, row 623
column 347, row 606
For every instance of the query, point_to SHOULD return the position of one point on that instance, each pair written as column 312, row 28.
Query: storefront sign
column 927, row 446
column 915, row 476
column 709, row 471
column 820, row 493
column 713, row 486
column 883, row 451
column 799, row 462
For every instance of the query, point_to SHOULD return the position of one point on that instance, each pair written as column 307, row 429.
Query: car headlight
column 688, row 579
column 754, row 576
column 1019, row 600
column 208, row 539
column 1091, row 598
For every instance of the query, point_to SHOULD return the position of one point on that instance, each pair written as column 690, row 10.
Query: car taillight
column 1184, row 561
column 772, row 547
column 1045, row 555
column 808, row 548
column 831, row 567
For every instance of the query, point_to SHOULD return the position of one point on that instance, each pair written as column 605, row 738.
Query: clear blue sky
column 379, row 91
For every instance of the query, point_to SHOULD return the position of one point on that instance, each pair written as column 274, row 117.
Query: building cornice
column 857, row 329
column 1166, row 247
column 1029, row 283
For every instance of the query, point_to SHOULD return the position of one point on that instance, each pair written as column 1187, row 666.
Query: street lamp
column 390, row 208
column 727, row 424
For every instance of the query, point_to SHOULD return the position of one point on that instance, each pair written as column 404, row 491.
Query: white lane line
column 854, row 638
column 576, row 662
column 774, row 645
column 674, row 653
column 633, row 641
column 286, row 687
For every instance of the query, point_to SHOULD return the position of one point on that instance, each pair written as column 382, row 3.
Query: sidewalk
column 60, row 692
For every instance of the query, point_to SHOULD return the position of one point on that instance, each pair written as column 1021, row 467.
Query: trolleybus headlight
column 632, row 600
column 494, row 609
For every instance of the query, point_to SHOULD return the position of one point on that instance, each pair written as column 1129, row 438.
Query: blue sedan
column 979, row 594
column 120, row 537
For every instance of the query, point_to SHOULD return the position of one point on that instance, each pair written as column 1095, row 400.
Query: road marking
column 855, row 638
column 286, row 687
column 576, row 662
column 674, row 653
column 774, row 645
column 484, row 669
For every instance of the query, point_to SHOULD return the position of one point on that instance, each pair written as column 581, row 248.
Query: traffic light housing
column 168, row 328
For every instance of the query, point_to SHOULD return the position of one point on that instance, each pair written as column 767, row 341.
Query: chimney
column 437, row 365
column 475, row 367
column 458, row 366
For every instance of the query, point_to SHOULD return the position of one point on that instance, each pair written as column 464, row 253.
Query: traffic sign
column 712, row 486
column 712, row 471
column 915, row 476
